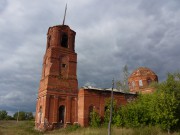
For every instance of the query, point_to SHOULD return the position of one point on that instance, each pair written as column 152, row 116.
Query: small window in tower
column 64, row 40
column 149, row 81
column 140, row 83
column 63, row 65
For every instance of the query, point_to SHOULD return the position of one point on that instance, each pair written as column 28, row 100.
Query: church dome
column 140, row 80
column 142, row 71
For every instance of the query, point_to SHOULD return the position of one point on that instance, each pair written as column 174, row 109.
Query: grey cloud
column 3, row 5
column 156, row 8
column 136, row 46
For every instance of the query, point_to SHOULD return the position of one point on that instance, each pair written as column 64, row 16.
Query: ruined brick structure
column 140, row 80
column 90, row 98
column 59, row 101
column 58, row 90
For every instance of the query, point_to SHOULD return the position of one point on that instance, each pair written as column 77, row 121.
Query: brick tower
column 58, row 90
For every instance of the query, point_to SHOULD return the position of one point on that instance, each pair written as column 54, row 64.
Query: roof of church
column 142, row 71
column 106, row 89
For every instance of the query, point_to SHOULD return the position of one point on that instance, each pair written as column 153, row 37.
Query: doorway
column 61, row 114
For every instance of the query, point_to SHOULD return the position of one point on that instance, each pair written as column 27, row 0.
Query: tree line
column 161, row 108
column 21, row 115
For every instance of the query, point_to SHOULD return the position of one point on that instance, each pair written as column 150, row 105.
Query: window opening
column 63, row 65
column 64, row 40
column 149, row 81
column 140, row 83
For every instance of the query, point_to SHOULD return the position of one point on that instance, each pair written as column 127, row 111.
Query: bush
column 95, row 120
column 107, row 111
column 160, row 108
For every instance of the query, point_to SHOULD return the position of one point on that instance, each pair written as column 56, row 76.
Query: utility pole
column 111, row 109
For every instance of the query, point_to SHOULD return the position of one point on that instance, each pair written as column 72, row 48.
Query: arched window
column 140, row 83
column 64, row 40
column 133, row 84
column 149, row 81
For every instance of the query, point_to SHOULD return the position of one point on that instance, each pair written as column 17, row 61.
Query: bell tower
column 58, row 89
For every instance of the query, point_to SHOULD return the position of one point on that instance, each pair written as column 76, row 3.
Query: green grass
column 27, row 128
column 115, row 131
column 18, row 128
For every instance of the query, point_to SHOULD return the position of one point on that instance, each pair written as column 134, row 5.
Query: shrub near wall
column 95, row 120
column 161, row 108
column 107, row 111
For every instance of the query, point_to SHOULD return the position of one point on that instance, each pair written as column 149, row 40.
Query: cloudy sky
column 110, row 34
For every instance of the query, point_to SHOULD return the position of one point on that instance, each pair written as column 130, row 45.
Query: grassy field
column 27, row 128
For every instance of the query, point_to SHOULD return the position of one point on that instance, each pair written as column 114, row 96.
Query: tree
column 29, row 116
column 20, row 115
column 123, row 84
column 125, row 77
column 3, row 114
column 23, row 115
column 165, row 110
column 159, row 108
column 167, row 103
column 8, row 117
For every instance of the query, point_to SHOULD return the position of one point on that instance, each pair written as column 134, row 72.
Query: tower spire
column 64, row 14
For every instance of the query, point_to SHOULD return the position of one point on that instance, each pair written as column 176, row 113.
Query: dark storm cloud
column 143, row 33
column 109, row 35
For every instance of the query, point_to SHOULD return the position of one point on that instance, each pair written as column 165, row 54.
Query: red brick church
column 59, row 101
